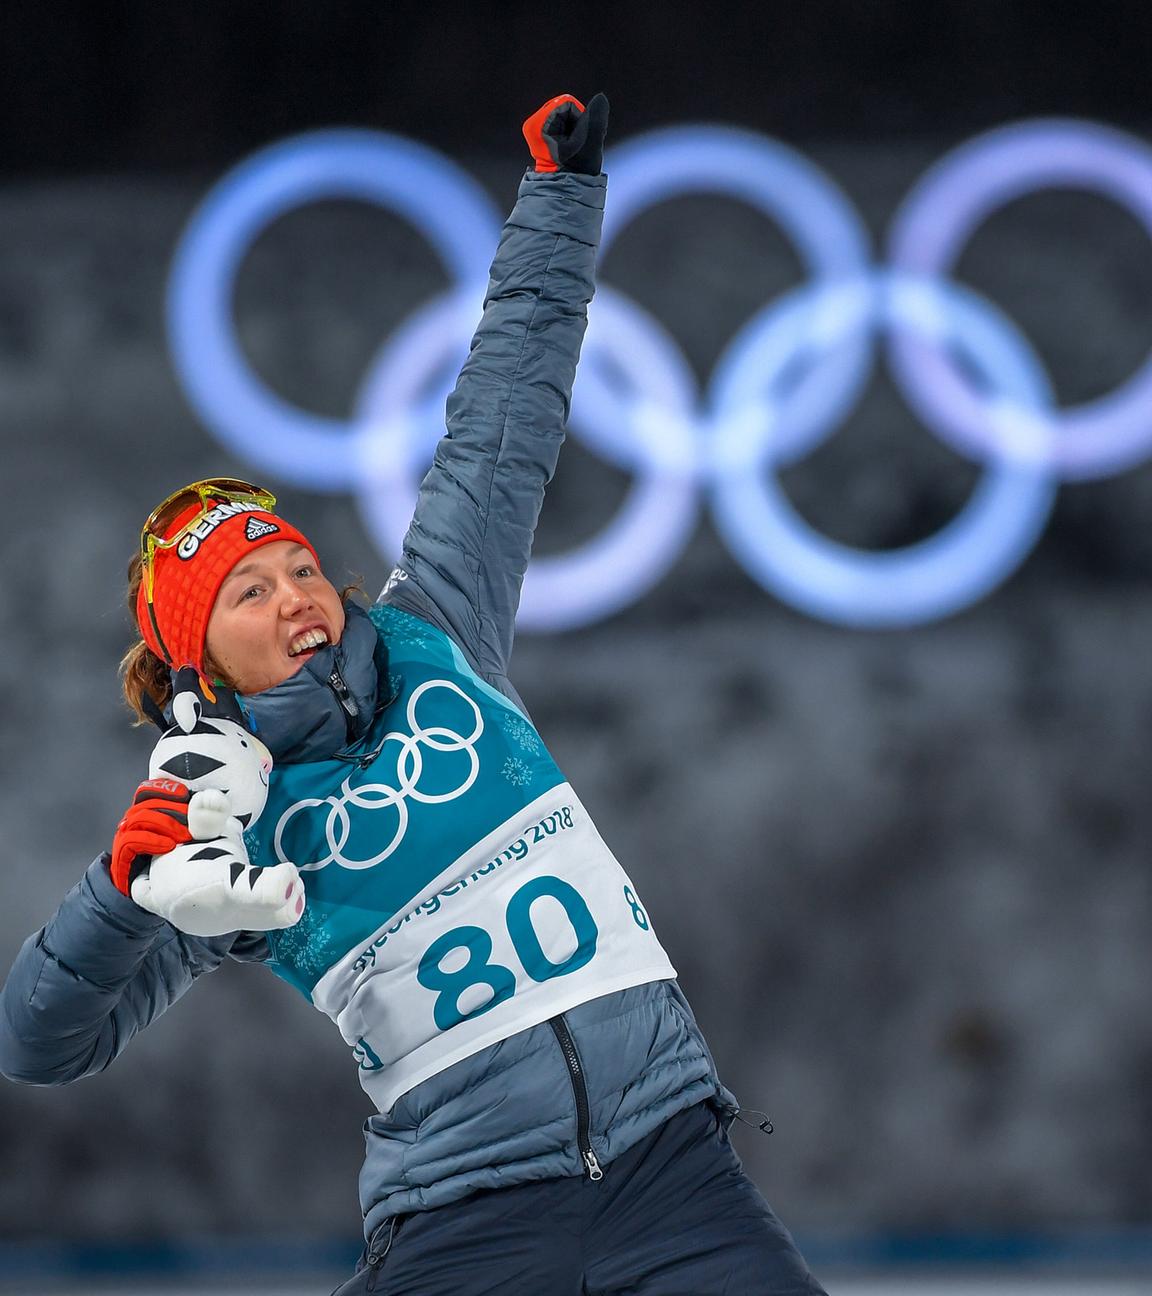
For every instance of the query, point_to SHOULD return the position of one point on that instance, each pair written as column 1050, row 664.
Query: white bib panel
column 537, row 918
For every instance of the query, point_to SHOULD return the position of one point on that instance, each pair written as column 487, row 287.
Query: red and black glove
column 156, row 822
column 565, row 136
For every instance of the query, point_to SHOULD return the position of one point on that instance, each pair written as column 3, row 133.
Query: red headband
column 187, row 577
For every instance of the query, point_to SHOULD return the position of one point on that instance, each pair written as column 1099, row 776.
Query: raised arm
column 98, row 972
column 471, row 535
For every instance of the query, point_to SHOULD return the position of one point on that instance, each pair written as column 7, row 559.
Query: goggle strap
column 154, row 713
column 156, row 630
column 205, row 686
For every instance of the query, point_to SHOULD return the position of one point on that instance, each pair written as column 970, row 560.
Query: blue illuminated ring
column 440, row 199
column 651, row 432
column 938, row 217
column 813, row 212
column 782, row 385
column 767, row 175
column 400, row 412
column 987, row 540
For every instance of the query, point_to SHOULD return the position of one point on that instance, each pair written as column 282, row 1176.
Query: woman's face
column 273, row 612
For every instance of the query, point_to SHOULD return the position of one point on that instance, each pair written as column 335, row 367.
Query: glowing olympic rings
column 783, row 384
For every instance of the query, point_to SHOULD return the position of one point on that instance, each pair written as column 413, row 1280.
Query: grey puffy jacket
column 103, row 969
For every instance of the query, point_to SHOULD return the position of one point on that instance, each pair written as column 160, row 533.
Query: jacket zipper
column 346, row 700
column 592, row 1167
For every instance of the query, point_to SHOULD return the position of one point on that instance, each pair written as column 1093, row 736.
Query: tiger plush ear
column 187, row 706
column 190, row 702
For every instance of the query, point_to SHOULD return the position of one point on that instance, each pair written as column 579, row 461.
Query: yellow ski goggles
column 210, row 492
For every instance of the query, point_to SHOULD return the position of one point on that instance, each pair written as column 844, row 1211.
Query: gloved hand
column 163, row 814
column 210, row 889
column 565, row 136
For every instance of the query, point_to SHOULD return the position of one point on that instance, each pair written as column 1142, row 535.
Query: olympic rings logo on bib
column 783, row 384
column 375, row 797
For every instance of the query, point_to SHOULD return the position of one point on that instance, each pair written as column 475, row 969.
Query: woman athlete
column 548, row 1117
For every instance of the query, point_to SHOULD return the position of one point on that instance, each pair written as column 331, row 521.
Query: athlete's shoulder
column 408, row 636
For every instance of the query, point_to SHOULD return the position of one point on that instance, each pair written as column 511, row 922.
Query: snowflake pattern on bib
column 521, row 733
column 306, row 946
column 516, row 772
column 405, row 633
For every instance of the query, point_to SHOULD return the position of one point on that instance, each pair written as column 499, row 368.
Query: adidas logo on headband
column 201, row 530
column 254, row 528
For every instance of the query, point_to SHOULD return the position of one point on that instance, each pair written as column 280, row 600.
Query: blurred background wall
column 903, row 872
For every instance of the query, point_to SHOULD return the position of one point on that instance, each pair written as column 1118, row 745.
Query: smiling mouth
column 308, row 644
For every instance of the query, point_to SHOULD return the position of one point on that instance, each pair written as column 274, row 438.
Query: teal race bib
column 457, row 891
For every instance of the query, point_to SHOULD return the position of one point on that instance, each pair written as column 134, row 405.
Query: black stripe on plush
column 191, row 765
column 209, row 852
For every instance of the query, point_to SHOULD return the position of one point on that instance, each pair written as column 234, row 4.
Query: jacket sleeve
column 98, row 972
column 471, row 534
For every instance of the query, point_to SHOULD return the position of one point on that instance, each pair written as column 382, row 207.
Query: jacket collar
column 330, row 702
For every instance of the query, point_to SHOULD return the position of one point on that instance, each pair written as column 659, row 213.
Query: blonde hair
column 144, row 675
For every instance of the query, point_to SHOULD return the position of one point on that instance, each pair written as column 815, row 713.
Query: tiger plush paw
column 210, row 815
column 210, row 889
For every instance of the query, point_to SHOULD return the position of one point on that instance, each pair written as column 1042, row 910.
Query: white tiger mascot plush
column 208, row 887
